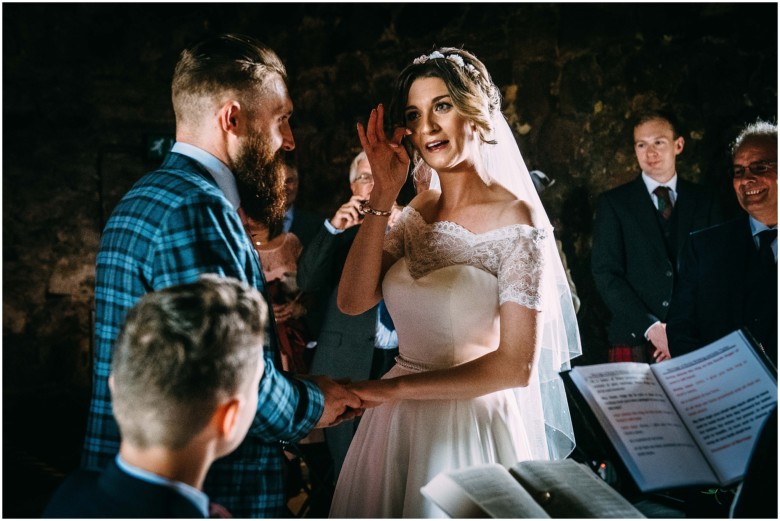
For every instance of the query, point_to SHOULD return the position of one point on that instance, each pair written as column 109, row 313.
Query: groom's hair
column 226, row 63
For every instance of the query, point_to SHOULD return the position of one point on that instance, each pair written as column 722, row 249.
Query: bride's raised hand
column 387, row 157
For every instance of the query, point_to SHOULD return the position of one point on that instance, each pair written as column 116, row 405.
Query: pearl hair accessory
column 454, row 58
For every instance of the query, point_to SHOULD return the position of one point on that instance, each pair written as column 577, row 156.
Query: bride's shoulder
column 514, row 211
column 425, row 203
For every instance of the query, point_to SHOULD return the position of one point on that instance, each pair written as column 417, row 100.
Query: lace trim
column 512, row 253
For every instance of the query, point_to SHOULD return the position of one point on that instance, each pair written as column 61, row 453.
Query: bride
column 471, row 276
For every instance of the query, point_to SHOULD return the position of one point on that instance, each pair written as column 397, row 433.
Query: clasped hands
column 345, row 400
column 657, row 336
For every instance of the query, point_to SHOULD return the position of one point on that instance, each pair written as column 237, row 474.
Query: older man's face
column 364, row 182
column 290, row 185
column 755, row 178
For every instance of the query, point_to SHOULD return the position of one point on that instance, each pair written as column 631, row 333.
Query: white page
column 649, row 436
column 723, row 392
column 482, row 491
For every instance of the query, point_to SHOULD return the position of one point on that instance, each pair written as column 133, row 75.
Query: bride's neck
column 460, row 189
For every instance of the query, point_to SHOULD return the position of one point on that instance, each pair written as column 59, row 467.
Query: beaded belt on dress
column 414, row 366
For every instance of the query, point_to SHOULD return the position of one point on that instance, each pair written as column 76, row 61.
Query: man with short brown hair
column 184, row 385
column 640, row 228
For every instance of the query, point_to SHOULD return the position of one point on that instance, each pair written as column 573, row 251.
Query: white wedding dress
column 444, row 293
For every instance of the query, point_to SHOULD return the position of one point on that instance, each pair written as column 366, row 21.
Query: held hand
column 372, row 392
column 340, row 403
column 657, row 336
column 388, row 158
column 288, row 310
column 348, row 214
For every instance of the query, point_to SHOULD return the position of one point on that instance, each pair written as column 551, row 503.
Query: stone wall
column 86, row 85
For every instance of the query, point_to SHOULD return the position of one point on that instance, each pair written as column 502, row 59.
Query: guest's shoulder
column 694, row 188
column 622, row 189
column 164, row 190
column 718, row 233
column 72, row 497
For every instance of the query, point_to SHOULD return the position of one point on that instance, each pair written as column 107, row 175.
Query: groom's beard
column 260, row 179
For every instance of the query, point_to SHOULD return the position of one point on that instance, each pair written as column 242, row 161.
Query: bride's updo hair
column 473, row 92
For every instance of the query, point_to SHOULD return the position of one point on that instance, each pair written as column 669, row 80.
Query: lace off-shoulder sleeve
column 521, row 268
column 394, row 238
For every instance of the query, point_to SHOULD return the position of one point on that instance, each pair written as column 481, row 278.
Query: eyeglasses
column 756, row 168
column 364, row 179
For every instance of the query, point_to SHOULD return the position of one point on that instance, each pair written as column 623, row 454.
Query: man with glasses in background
column 357, row 347
column 728, row 273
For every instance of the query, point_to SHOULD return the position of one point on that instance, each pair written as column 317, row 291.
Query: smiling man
column 728, row 274
column 640, row 228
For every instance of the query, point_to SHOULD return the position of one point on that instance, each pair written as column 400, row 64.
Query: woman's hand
column 372, row 392
column 288, row 310
column 387, row 157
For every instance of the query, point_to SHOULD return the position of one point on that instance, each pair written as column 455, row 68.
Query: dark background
column 86, row 89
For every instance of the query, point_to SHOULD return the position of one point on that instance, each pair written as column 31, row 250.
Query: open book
column 530, row 489
column 690, row 420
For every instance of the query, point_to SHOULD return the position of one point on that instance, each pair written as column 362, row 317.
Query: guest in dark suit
column 728, row 275
column 184, row 386
column 360, row 346
column 639, row 230
column 232, row 110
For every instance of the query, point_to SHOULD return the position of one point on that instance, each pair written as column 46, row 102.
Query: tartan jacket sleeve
column 174, row 225
column 202, row 235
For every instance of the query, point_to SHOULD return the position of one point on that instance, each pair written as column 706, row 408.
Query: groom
column 182, row 220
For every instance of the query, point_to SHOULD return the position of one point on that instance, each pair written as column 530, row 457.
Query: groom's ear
column 231, row 118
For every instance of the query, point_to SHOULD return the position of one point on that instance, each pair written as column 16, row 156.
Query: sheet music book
column 690, row 420
column 529, row 489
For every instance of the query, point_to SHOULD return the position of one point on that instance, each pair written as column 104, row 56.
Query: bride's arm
column 511, row 365
column 360, row 284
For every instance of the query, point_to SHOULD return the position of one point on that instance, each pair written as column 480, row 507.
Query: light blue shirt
column 218, row 170
column 197, row 497
column 385, row 338
column 289, row 215
column 758, row 227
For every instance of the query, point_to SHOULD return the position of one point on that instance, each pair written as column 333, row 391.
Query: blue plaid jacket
column 172, row 226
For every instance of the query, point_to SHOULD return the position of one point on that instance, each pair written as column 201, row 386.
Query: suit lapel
column 685, row 209
column 641, row 207
column 740, row 265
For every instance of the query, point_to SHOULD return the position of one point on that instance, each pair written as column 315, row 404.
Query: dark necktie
column 765, row 239
column 664, row 201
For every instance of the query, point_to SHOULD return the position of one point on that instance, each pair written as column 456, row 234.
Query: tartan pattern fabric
column 642, row 353
column 172, row 226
